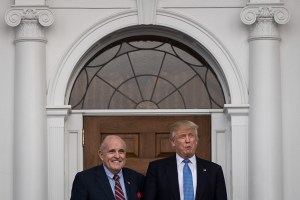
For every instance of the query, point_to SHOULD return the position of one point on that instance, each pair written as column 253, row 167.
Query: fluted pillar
column 265, row 123
column 30, row 138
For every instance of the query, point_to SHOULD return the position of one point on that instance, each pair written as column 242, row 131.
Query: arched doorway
column 145, row 70
column 67, row 156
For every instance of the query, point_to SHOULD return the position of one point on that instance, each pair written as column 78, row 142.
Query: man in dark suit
column 111, row 180
column 184, row 176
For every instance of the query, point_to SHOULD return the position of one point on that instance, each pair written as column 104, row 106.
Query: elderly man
column 184, row 176
column 110, row 180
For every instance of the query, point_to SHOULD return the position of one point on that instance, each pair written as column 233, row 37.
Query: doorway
column 147, row 137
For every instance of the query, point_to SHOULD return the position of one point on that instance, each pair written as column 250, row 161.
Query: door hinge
column 82, row 137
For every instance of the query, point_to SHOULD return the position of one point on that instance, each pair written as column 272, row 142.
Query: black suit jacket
column 161, row 181
column 93, row 184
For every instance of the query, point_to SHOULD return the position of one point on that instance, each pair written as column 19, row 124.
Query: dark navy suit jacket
column 93, row 184
column 161, row 181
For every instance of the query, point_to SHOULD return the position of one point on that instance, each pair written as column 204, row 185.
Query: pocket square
column 139, row 195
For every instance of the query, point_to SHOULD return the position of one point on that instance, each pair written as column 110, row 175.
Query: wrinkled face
column 114, row 154
column 185, row 142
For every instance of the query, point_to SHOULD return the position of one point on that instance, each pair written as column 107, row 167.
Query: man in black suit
column 167, row 179
column 99, row 183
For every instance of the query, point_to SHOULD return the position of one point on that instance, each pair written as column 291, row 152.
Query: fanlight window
column 146, row 73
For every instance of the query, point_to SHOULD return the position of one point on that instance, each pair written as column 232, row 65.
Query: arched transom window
column 146, row 72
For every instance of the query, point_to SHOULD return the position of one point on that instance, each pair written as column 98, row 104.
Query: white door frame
column 233, row 142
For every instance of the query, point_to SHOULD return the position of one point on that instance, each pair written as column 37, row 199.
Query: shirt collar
column 110, row 174
column 180, row 159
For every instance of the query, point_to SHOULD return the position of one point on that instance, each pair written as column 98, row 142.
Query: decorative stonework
column 265, row 18
column 146, row 11
column 30, row 21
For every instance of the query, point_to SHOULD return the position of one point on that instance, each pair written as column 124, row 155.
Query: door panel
column 147, row 137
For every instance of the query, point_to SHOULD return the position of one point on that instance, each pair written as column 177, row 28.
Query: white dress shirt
column 193, row 167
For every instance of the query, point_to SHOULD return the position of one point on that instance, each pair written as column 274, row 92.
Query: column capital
column 264, row 18
column 16, row 14
column 275, row 11
column 30, row 21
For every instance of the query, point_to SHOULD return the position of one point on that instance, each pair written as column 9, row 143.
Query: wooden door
column 147, row 138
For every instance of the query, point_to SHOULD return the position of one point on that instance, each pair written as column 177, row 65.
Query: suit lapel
column 201, row 179
column 129, row 185
column 172, row 174
column 103, row 183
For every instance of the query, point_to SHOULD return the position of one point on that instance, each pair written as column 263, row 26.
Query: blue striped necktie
column 188, row 189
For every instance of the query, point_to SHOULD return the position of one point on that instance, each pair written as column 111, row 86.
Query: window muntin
column 146, row 72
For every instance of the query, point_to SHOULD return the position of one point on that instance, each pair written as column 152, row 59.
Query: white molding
column 61, row 110
column 221, row 146
column 237, row 109
column 239, row 147
column 59, row 82
column 92, row 4
column 202, row 3
column 55, row 158
column 127, row 4
column 73, row 150
column 146, row 11
column 146, row 112
column 56, row 147
column 234, row 79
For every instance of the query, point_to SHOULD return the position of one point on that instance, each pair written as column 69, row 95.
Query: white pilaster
column 221, row 146
column 30, row 141
column 56, row 151
column 239, row 140
column 73, row 150
column 265, row 124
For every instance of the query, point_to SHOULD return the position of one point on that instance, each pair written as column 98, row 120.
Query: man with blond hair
column 184, row 176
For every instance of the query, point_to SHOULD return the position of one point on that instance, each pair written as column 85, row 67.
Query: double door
column 147, row 137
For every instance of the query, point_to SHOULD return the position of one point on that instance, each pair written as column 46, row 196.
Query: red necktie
column 118, row 189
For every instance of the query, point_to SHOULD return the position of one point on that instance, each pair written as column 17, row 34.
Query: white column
column 265, row 124
column 239, row 146
column 56, row 151
column 30, row 141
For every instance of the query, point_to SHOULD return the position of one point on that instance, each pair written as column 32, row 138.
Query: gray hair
column 104, row 142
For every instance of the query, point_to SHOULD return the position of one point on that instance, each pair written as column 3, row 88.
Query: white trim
column 239, row 150
column 126, row 4
column 59, row 83
column 232, row 79
column 94, row 4
column 146, row 112
column 202, row 4
column 221, row 146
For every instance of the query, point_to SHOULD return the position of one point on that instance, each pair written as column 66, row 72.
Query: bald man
column 110, row 180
